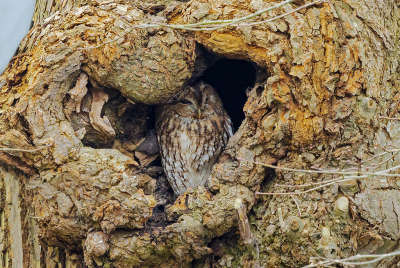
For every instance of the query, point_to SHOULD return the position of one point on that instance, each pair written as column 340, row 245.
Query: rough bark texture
column 333, row 70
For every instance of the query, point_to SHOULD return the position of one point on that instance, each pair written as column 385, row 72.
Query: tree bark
column 86, row 190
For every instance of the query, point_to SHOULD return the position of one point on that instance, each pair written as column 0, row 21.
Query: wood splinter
column 76, row 95
column 243, row 222
column 99, row 123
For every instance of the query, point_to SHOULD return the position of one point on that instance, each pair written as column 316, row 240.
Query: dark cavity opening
column 231, row 79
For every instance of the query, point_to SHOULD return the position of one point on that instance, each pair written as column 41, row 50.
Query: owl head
column 197, row 102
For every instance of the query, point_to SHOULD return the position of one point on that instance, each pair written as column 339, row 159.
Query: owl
column 192, row 133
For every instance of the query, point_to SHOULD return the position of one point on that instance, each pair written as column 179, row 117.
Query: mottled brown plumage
column 192, row 133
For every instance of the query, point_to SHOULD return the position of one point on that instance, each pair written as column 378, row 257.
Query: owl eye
column 185, row 102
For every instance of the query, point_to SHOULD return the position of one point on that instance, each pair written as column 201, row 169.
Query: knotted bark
column 332, row 79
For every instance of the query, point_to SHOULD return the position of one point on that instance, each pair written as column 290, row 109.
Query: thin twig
column 381, row 154
column 234, row 21
column 24, row 150
column 390, row 118
column 108, row 42
column 351, row 176
column 310, row 183
column 353, row 260
column 281, row 16
column 357, row 173
column 383, row 162
column 299, row 192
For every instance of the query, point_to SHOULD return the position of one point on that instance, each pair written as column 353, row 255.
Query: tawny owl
column 192, row 133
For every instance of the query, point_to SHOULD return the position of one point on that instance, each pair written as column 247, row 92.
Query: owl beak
column 199, row 113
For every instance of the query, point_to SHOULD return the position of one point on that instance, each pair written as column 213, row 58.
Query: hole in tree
column 231, row 79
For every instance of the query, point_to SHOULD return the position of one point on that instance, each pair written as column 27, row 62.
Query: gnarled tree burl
column 76, row 103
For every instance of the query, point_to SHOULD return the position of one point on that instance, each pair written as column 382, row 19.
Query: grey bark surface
column 333, row 71
column 12, row 188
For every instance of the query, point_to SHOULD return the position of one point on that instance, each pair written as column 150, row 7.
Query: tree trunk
column 76, row 103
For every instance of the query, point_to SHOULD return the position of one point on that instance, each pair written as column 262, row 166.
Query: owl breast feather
column 190, row 147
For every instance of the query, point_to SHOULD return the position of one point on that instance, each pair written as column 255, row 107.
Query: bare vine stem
column 345, row 176
column 337, row 172
column 24, row 150
column 283, row 15
column 351, row 261
column 390, row 118
column 381, row 154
